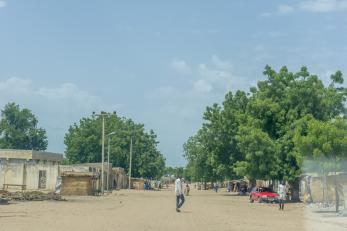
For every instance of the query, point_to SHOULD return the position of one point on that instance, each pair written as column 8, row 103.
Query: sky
column 158, row 62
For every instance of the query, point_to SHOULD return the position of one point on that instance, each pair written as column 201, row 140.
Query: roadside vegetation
column 83, row 145
column 267, row 132
column 19, row 130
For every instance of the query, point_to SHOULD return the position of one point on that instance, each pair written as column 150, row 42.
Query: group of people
column 180, row 199
column 215, row 187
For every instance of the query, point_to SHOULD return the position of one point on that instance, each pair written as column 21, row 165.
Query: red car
column 263, row 194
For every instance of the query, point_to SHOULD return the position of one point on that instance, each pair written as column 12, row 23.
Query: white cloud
column 314, row 6
column 220, row 63
column 15, row 86
column 208, row 84
column 214, row 77
column 208, row 81
column 323, row 6
column 220, row 79
column 56, row 107
column 181, row 66
column 19, row 88
column 2, row 3
column 202, row 86
column 266, row 14
column 285, row 9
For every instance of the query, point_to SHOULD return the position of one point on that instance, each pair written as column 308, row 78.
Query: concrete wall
column 11, row 172
column 32, row 174
column 30, row 155
column 23, row 172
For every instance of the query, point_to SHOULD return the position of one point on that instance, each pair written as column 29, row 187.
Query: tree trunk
column 337, row 198
column 295, row 189
column 252, row 184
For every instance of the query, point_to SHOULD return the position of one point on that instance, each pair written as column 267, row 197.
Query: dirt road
column 139, row 210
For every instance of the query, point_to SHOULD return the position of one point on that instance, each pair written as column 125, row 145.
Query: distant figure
column 215, row 187
column 282, row 195
column 229, row 187
column 187, row 189
column 179, row 194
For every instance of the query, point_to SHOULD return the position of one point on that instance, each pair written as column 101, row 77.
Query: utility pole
column 131, row 155
column 103, row 114
column 108, row 158
column 108, row 162
column 102, row 154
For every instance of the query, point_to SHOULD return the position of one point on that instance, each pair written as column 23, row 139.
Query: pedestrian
column 187, row 189
column 229, row 187
column 282, row 195
column 179, row 194
column 215, row 187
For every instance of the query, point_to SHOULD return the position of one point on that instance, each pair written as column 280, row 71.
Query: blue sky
column 158, row 63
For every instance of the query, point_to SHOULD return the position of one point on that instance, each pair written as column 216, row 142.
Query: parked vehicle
column 263, row 194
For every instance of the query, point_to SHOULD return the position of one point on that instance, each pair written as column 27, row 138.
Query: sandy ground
column 139, row 210
column 318, row 221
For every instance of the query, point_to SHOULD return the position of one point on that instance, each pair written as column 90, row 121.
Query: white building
column 27, row 169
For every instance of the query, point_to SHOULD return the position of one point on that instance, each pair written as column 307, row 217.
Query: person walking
column 179, row 194
column 187, row 189
column 282, row 195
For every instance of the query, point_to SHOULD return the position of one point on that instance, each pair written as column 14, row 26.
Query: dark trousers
column 281, row 204
column 179, row 201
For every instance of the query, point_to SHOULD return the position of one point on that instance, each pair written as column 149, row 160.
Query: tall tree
column 261, row 125
column 18, row 129
column 83, row 145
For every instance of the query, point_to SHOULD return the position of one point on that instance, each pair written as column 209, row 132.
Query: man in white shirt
column 282, row 195
column 179, row 194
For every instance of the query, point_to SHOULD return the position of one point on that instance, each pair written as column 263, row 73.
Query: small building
column 119, row 178
column 137, row 183
column 94, row 168
column 28, row 169
column 79, row 183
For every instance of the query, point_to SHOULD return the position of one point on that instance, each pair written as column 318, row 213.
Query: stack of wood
column 29, row 196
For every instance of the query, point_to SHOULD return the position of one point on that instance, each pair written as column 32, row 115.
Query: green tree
column 260, row 126
column 18, row 129
column 261, row 153
column 83, row 145
column 212, row 152
column 325, row 142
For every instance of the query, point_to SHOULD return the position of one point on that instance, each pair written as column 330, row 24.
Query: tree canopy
column 18, row 129
column 253, row 133
column 83, row 144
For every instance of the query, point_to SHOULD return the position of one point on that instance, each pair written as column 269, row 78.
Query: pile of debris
column 29, row 196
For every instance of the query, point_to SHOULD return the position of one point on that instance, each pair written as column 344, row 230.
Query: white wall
column 11, row 172
column 32, row 174
column 27, row 172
